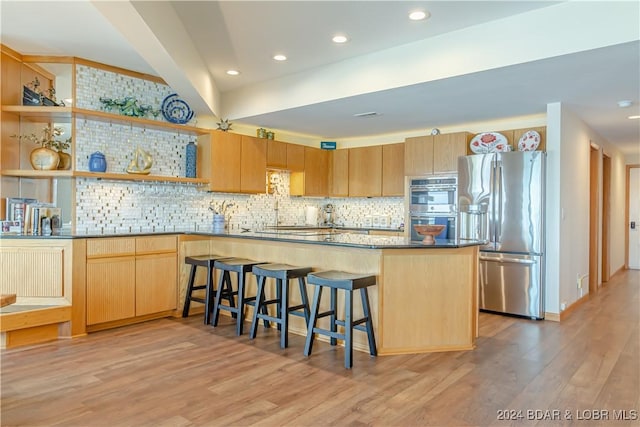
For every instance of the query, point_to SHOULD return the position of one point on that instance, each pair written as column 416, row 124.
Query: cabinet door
column 276, row 154
column 225, row 162
column 446, row 149
column 339, row 173
column 393, row 170
column 253, row 165
column 295, row 157
column 418, row 155
column 316, row 172
column 111, row 289
column 156, row 283
column 365, row 171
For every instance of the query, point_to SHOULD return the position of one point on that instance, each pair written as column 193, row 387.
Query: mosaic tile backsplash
column 130, row 206
column 122, row 206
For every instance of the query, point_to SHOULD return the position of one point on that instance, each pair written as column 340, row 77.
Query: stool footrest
column 325, row 314
column 329, row 333
column 355, row 323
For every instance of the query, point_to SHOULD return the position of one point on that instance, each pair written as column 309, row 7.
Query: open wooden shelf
column 26, row 173
column 64, row 114
column 40, row 113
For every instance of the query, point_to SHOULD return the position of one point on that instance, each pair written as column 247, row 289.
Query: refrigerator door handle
column 498, row 211
column 512, row 260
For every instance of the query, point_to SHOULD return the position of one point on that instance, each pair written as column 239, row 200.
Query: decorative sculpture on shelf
column 141, row 162
column 128, row 106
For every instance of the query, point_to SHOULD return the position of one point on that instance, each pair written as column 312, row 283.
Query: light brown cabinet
column 446, row 150
column 314, row 181
column 365, row 171
column 393, row 170
column 339, row 173
column 295, row 157
column 253, row 164
column 129, row 277
column 276, row 154
column 156, row 274
column 224, row 167
column 238, row 163
column 426, row 155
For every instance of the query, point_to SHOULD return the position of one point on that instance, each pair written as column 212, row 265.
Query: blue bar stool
column 282, row 273
column 206, row 261
column 241, row 267
column 348, row 282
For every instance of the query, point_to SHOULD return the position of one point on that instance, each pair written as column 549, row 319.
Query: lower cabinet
column 111, row 289
column 129, row 277
column 156, row 286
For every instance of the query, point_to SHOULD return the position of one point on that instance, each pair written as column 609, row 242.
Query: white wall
column 569, row 142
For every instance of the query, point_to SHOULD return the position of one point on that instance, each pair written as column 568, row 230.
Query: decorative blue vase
column 192, row 152
column 97, row 162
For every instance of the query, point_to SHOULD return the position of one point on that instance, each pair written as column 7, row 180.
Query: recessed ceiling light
column 634, row 117
column 418, row 15
column 279, row 57
column 339, row 38
column 624, row 104
column 233, row 72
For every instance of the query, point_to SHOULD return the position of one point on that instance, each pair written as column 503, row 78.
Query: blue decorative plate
column 175, row 110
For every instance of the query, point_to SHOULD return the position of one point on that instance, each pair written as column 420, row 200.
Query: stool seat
column 347, row 282
column 282, row 273
column 240, row 266
column 206, row 261
column 342, row 279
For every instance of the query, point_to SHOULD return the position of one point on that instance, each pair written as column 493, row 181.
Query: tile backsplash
column 126, row 206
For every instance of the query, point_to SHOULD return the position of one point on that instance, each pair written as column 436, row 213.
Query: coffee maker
column 327, row 212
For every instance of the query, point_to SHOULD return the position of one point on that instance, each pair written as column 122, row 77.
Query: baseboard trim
column 566, row 313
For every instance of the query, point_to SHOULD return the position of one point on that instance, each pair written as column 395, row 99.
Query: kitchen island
column 425, row 298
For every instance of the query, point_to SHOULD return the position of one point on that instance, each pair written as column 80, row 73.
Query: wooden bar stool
column 282, row 273
column 241, row 267
column 348, row 282
column 206, row 261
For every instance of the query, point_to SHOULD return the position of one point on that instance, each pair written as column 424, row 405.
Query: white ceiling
column 202, row 39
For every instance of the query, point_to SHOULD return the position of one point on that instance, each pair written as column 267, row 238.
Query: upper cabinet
column 224, row 166
column 314, row 181
column 276, row 154
column 365, row 171
column 446, row 150
column 295, row 157
column 393, row 170
column 238, row 163
column 339, row 173
column 434, row 154
column 253, row 165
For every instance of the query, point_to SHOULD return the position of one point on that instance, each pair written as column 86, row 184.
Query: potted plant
column 44, row 157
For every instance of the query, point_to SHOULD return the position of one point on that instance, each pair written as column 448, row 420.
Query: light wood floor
column 175, row 372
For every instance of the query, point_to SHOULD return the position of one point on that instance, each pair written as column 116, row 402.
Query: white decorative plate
column 487, row 142
column 529, row 141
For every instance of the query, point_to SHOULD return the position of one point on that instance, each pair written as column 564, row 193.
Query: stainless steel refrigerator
column 501, row 201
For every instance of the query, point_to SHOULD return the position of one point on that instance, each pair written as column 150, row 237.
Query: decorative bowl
column 429, row 231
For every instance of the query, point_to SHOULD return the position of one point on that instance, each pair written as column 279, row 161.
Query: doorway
column 632, row 223
column 606, row 216
column 594, row 220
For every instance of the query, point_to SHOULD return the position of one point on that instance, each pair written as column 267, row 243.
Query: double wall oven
column 432, row 200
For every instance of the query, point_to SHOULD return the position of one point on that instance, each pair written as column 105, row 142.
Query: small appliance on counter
column 328, row 214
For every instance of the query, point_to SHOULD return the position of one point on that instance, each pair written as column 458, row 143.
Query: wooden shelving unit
column 65, row 114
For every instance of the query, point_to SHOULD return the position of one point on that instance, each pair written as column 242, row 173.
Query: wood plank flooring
column 179, row 372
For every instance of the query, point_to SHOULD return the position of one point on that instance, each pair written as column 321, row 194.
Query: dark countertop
column 310, row 235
